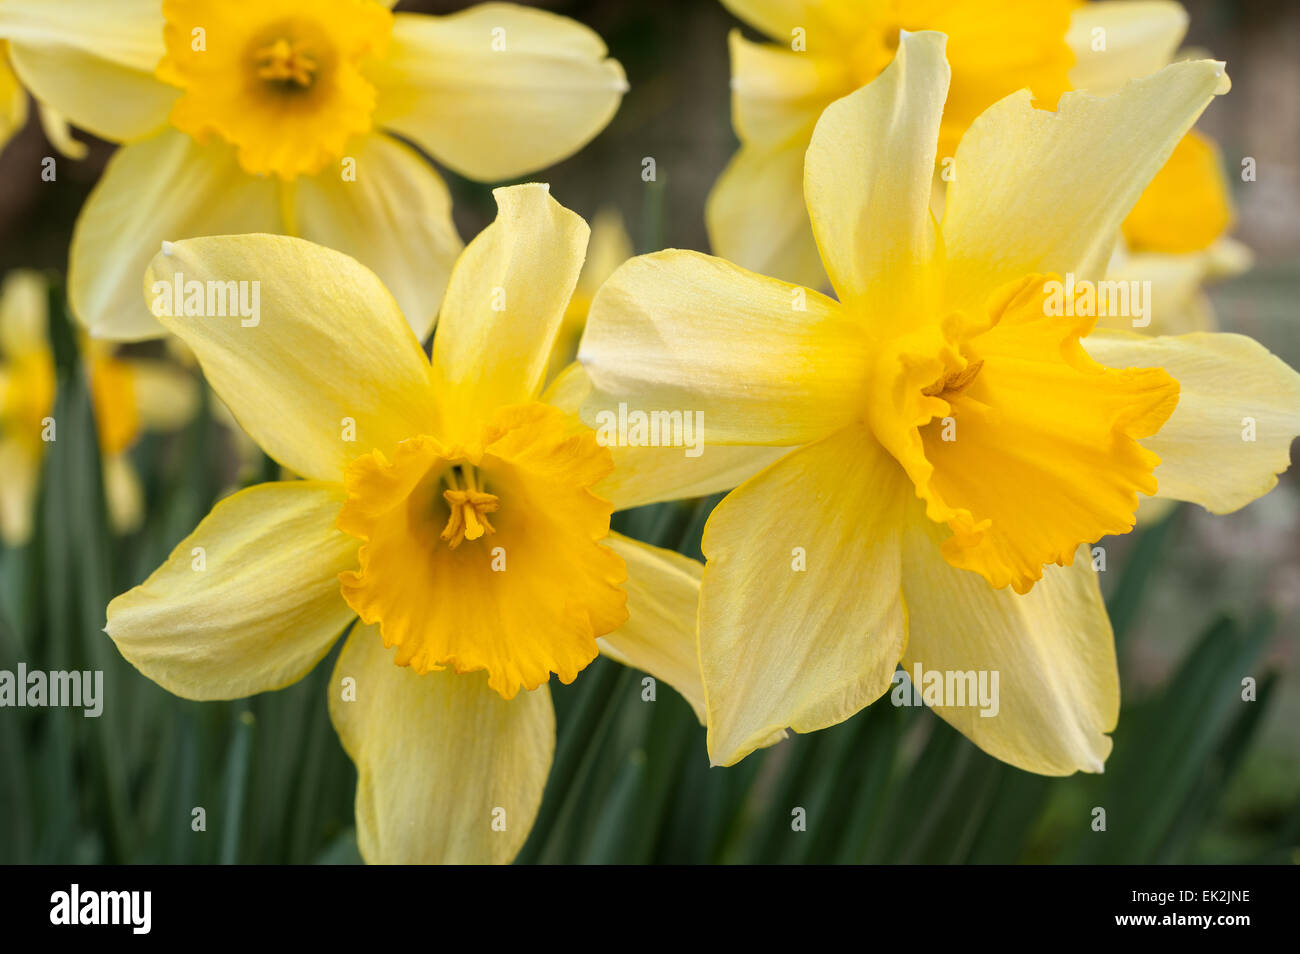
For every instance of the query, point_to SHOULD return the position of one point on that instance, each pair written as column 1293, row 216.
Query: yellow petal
column 1238, row 411
column 867, row 181
column 165, row 188
column 763, row 361
column 1136, row 38
column 24, row 307
column 1052, row 649
column 504, row 306
column 1037, row 191
column 778, row 93
column 248, row 602
column 92, row 62
column 13, row 101
column 757, row 218
column 57, row 132
column 646, row 475
column 394, row 217
column 326, row 368
column 448, row 772
column 21, row 470
column 825, row 20
column 801, row 616
column 663, row 594
column 165, row 396
column 123, row 494
column 497, row 91
column 1187, row 207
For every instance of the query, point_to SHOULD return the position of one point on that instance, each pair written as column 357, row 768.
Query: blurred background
column 1198, row 602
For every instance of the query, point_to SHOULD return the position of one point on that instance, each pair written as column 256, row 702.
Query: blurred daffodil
column 1177, row 235
column 283, row 116
column 824, row 49
column 128, row 395
column 959, row 441
column 453, row 506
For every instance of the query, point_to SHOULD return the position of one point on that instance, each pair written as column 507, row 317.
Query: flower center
column 280, row 80
column 1014, row 437
column 469, row 506
column 287, row 64
column 533, row 597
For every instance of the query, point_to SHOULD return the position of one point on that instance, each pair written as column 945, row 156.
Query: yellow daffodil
column 825, row 49
column 453, row 506
column 952, row 442
column 283, row 116
column 127, row 395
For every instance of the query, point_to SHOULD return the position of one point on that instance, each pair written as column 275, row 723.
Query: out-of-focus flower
column 460, row 511
column 825, row 49
column 955, row 446
column 128, row 395
column 283, row 116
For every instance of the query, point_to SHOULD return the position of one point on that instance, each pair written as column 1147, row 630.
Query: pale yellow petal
column 165, row 395
column 390, row 210
column 1117, row 40
column 164, row 188
column 867, row 181
column 1057, row 692
column 325, row 369
column 645, row 475
column 801, row 613
column 757, row 218
column 1238, row 412
column 60, row 136
column 13, row 102
column 778, row 93
column 448, row 772
column 1037, row 191
column 663, row 595
column 824, row 22
column 248, row 602
column 504, row 306
column 24, row 309
column 92, row 61
column 123, row 494
column 497, row 91
column 765, row 362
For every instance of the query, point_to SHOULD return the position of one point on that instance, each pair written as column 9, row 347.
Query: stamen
column 955, row 382
column 285, row 62
column 469, row 506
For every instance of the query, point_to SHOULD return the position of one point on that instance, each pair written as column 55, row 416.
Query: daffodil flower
column 283, row 116
column 825, row 49
column 954, row 447
column 128, row 395
column 457, row 510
